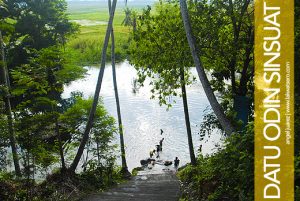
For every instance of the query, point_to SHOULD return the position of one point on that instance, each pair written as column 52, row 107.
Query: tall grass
column 87, row 45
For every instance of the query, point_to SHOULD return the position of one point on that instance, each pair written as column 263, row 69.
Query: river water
column 143, row 117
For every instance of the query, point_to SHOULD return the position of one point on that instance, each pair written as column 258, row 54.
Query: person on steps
column 200, row 148
column 157, row 155
column 157, row 148
column 176, row 162
column 160, row 144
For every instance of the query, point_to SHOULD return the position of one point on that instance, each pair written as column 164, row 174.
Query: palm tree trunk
column 125, row 171
column 187, row 118
column 218, row 110
column 97, row 91
column 61, row 149
column 123, row 156
column 12, row 137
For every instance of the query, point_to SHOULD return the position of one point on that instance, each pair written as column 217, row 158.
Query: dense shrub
column 225, row 175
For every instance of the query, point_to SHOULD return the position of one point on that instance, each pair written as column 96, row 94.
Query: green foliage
column 159, row 50
column 35, row 25
column 227, row 174
column 37, row 31
column 33, row 130
column 297, row 193
column 223, row 32
column 136, row 170
column 78, row 113
column 130, row 17
column 3, row 140
column 40, row 82
column 225, row 36
column 47, row 127
column 209, row 124
column 43, row 22
column 38, row 142
column 59, row 186
column 100, row 137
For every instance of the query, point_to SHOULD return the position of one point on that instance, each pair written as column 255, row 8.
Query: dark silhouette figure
column 157, row 155
column 161, row 131
column 157, row 148
column 161, row 141
column 160, row 144
column 176, row 162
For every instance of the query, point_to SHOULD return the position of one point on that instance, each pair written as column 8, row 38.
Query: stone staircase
column 146, row 186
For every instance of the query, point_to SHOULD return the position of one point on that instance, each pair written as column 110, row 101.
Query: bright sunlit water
column 143, row 117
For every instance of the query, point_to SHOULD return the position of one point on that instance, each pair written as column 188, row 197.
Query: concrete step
column 146, row 187
column 137, row 197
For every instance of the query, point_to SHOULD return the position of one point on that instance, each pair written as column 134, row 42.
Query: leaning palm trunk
column 97, row 91
column 125, row 171
column 12, row 138
column 218, row 110
column 187, row 118
column 60, row 145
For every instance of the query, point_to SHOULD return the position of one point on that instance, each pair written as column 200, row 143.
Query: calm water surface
column 143, row 117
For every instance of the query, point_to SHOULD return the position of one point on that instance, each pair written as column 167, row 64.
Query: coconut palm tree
column 5, row 81
column 97, row 91
column 125, row 171
column 130, row 18
column 218, row 110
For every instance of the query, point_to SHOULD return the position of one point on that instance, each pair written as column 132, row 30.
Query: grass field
column 87, row 45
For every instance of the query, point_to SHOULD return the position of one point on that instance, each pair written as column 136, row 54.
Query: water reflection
column 143, row 118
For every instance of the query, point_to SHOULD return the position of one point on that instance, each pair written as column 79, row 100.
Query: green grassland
column 87, row 45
